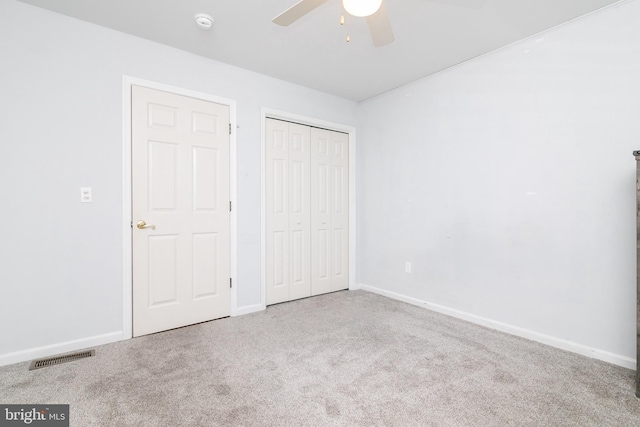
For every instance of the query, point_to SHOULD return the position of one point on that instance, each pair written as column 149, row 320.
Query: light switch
column 85, row 194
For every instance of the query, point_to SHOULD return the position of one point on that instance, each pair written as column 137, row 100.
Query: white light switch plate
column 85, row 194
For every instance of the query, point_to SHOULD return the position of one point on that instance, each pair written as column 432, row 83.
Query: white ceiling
column 430, row 35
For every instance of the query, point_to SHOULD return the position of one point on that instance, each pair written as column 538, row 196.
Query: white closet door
column 329, row 211
column 287, row 211
column 339, row 205
column 299, row 215
column 320, row 211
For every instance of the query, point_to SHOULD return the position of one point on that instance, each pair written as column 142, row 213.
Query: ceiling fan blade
column 297, row 11
column 380, row 27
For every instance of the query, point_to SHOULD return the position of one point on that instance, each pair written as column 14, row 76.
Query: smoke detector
column 204, row 21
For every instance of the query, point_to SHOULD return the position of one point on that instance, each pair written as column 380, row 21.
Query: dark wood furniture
column 637, row 155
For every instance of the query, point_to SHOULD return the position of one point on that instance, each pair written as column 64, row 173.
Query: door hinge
column 229, row 205
column 229, row 128
column 131, row 225
column 230, row 282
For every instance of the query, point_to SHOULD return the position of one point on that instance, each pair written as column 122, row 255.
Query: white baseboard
column 248, row 309
column 69, row 346
column 64, row 347
column 560, row 343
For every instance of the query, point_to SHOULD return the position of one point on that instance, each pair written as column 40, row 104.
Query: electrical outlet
column 85, row 195
column 407, row 267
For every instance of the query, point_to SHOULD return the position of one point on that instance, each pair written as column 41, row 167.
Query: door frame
column 127, row 220
column 269, row 113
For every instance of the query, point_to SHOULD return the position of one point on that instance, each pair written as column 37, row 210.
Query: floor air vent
column 56, row 360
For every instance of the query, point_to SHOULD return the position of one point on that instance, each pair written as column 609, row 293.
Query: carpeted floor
column 350, row 358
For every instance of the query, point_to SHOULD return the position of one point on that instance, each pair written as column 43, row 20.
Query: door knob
column 141, row 224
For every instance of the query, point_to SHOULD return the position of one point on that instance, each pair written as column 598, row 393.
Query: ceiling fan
column 374, row 10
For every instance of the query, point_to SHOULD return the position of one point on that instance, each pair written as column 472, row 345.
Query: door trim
column 268, row 113
column 127, row 261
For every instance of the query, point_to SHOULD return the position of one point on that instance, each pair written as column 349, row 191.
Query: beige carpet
column 343, row 359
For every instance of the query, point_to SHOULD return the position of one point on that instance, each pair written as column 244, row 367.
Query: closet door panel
column 339, row 208
column 320, row 211
column 299, row 211
column 277, row 211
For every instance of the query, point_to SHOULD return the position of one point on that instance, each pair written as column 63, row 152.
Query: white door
column 288, row 218
column 307, row 211
column 180, row 176
column 329, row 211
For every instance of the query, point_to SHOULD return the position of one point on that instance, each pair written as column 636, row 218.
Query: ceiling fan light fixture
column 361, row 8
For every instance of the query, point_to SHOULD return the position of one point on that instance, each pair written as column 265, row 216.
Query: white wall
column 61, row 129
column 508, row 182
